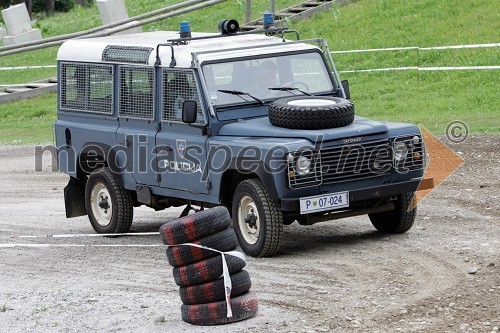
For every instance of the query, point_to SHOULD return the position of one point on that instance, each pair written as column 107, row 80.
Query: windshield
column 248, row 80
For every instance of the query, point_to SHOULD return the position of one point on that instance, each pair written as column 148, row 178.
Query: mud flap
column 74, row 198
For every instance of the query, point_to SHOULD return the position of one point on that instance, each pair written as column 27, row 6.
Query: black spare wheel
column 311, row 112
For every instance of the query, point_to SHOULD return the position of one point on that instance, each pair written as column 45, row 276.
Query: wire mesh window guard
column 179, row 85
column 86, row 88
column 131, row 54
column 136, row 94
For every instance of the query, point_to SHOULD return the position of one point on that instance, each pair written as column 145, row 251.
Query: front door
column 181, row 148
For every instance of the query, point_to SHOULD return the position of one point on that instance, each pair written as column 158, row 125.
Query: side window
column 86, row 87
column 136, row 92
column 179, row 85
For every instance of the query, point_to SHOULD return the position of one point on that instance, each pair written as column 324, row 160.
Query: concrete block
column 28, row 36
column 3, row 32
column 17, row 19
column 113, row 11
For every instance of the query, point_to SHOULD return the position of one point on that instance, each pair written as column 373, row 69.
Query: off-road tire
column 196, row 226
column 184, row 255
column 338, row 112
column 206, row 270
column 215, row 291
column 270, row 219
column 396, row 221
column 122, row 203
column 243, row 307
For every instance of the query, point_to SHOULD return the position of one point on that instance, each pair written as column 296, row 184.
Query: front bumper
column 292, row 205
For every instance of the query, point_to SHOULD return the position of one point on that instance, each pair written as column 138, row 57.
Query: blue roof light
column 185, row 30
column 268, row 20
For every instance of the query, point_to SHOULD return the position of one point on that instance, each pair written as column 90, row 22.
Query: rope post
column 248, row 11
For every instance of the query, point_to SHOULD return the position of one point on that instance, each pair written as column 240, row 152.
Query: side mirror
column 189, row 112
column 345, row 85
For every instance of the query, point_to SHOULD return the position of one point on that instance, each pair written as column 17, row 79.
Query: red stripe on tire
column 190, row 228
column 183, row 274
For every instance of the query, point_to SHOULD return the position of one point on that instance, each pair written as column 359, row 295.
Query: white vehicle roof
column 91, row 49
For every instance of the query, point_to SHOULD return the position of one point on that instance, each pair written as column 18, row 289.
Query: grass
column 28, row 121
column 430, row 98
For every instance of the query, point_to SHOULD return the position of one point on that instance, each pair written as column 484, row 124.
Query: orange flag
column 442, row 162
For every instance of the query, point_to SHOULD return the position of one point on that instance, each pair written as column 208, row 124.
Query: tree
column 50, row 6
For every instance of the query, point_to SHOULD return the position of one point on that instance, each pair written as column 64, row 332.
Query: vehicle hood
column 261, row 127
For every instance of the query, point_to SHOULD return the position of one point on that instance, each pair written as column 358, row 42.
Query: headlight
column 303, row 165
column 400, row 151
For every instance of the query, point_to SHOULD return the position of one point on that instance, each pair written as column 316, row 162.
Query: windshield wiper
column 241, row 93
column 290, row 89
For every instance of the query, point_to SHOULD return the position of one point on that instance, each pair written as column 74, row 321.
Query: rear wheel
column 396, row 221
column 257, row 219
column 109, row 206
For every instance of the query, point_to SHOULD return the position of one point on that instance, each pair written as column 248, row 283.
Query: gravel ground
column 340, row 276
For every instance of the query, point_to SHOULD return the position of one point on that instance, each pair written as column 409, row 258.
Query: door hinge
column 158, row 177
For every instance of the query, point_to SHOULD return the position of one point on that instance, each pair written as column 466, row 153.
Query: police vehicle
column 256, row 121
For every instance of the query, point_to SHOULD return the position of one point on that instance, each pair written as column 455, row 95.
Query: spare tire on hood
column 311, row 112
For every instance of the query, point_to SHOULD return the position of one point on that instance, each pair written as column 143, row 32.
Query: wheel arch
column 232, row 177
column 96, row 155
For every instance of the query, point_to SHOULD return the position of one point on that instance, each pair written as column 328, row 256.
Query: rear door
column 138, row 126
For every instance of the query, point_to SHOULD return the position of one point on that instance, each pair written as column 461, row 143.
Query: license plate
column 320, row 203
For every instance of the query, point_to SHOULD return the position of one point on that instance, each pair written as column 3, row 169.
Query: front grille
column 356, row 161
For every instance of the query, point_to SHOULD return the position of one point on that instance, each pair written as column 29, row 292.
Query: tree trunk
column 83, row 3
column 248, row 11
column 50, row 6
column 29, row 6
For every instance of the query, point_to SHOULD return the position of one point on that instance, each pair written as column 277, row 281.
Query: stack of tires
column 198, row 271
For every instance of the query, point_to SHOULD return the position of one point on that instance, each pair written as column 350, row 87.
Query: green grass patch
column 28, row 121
column 433, row 99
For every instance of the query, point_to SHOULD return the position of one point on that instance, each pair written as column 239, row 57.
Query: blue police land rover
column 257, row 122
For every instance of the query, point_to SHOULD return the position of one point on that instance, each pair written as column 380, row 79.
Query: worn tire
column 396, row 221
column 192, row 227
column 206, row 270
column 184, row 255
column 264, row 239
column 311, row 112
column 102, row 188
column 215, row 291
column 243, row 307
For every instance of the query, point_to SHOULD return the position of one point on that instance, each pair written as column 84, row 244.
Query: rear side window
column 136, row 92
column 86, row 87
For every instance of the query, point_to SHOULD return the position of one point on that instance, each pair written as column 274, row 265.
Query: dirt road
column 339, row 276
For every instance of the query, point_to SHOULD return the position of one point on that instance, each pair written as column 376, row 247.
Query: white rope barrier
column 76, row 245
column 407, row 48
column 152, row 233
column 459, row 68
column 26, row 67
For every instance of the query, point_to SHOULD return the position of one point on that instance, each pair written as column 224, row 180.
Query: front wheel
column 396, row 221
column 257, row 219
column 109, row 206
